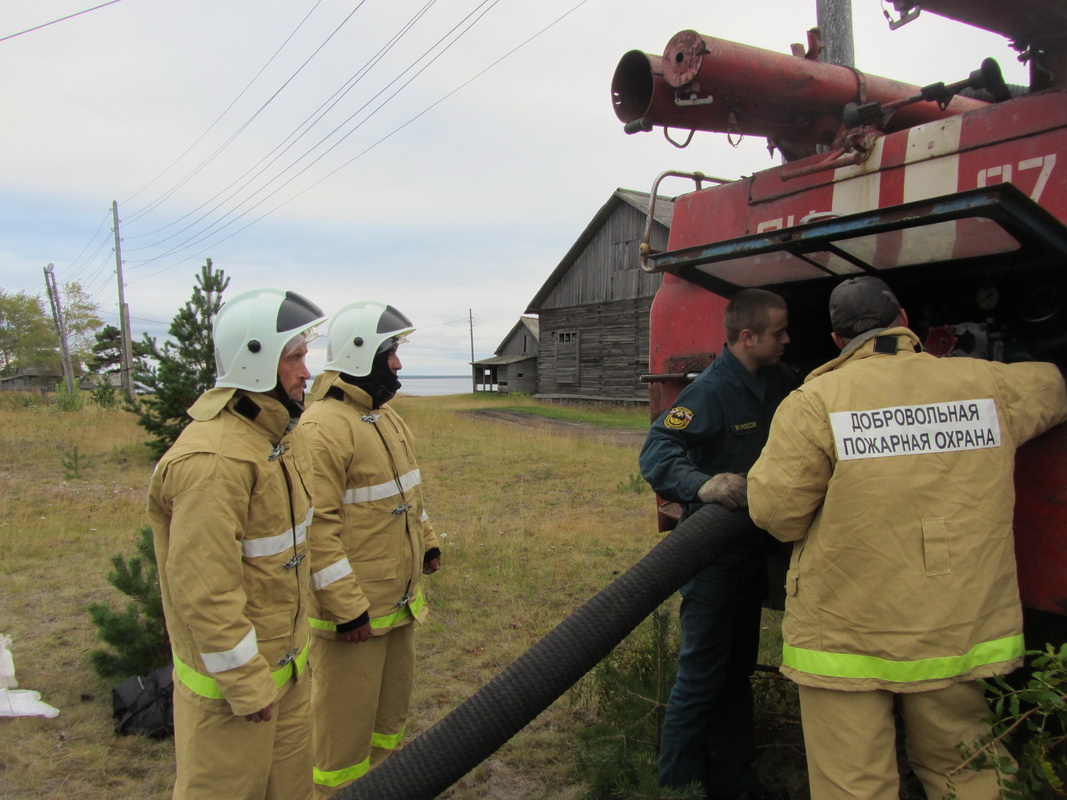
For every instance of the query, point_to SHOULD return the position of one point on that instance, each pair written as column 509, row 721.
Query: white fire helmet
column 361, row 330
column 254, row 329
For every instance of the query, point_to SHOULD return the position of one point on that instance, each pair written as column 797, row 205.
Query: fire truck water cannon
column 705, row 84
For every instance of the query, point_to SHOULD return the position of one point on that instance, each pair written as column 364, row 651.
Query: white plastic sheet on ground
column 18, row 702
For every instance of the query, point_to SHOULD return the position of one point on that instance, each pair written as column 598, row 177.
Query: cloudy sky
column 440, row 155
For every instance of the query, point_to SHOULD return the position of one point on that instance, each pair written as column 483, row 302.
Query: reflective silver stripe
column 272, row 545
column 364, row 494
column 246, row 650
column 334, row 572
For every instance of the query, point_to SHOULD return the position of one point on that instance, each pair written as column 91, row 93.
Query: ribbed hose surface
column 446, row 752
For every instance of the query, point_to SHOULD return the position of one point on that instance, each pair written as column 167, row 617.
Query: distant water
column 423, row 386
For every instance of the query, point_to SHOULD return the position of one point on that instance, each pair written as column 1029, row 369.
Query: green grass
column 531, row 527
column 605, row 415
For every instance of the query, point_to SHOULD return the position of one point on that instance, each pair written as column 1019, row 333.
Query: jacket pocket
column 381, row 569
column 791, row 579
column 935, row 546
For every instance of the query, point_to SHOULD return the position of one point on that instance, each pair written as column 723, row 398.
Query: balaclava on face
column 381, row 384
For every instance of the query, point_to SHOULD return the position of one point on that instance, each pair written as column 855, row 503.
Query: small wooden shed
column 33, row 378
column 514, row 367
column 594, row 307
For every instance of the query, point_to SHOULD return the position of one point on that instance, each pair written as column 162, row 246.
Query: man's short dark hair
column 748, row 310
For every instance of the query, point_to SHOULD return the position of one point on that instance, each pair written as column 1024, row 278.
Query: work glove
column 726, row 488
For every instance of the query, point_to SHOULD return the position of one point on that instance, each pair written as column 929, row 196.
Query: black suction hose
column 450, row 749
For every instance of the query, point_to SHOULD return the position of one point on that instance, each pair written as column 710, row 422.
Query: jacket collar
column 864, row 346
column 754, row 382
column 257, row 407
column 331, row 379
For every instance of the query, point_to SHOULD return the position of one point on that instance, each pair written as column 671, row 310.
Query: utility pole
column 61, row 326
column 834, row 18
column 126, row 369
column 474, row 377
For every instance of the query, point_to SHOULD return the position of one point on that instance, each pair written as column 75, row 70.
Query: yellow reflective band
column 209, row 687
column 200, row 684
column 339, row 776
column 411, row 609
column 387, row 621
column 849, row 665
column 387, row 741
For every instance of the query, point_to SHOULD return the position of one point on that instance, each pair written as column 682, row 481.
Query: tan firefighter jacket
column 230, row 505
column 892, row 471
column 370, row 530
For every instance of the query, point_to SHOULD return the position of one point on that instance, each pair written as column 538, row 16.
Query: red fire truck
column 955, row 193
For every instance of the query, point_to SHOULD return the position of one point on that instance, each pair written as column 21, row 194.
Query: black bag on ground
column 145, row 705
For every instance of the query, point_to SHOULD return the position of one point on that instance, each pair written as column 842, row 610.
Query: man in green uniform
column 698, row 452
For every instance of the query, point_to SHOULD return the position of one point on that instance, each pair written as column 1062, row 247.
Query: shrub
column 1032, row 717
column 105, row 395
column 138, row 635
column 629, row 691
column 74, row 463
column 68, row 401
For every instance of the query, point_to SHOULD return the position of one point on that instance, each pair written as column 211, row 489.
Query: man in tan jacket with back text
column 892, row 470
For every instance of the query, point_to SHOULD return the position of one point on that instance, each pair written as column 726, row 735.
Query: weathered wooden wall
column 522, row 343
column 519, row 377
column 612, row 351
column 594, row 321
column 608, row 268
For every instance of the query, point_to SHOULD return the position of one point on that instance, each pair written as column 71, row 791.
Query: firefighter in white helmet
column 372, row 542
column 230, row 506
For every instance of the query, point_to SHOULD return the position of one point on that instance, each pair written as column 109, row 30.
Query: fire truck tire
column 468, row 735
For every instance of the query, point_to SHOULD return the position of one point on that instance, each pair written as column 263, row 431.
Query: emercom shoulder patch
column 677, row 418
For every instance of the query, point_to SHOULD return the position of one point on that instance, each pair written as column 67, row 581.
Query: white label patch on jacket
column 914, row 430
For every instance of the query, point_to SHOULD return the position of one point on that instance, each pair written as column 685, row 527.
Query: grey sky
column 480, row 165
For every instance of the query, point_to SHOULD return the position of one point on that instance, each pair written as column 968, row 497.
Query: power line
column 53, row 22
column 193, row 241
column 328, row 105
column 247, row 122
column 197, row 239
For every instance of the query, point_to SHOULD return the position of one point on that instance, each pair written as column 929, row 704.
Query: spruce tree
column 107, row 351
column 137, row 636
column 174, row 375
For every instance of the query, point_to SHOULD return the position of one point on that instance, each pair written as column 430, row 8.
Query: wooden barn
column 594, row 308
column 34, row 378
column 514, row 367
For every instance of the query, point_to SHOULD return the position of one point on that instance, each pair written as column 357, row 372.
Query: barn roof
column 496, row 360
column 530, row 323
column 664, row 211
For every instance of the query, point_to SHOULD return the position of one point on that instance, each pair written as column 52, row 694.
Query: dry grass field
column 532, row 525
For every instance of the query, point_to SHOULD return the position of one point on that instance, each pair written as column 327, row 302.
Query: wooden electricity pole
column 834, row 18
column 61, row 326
column 474, row 369
column 126, row 367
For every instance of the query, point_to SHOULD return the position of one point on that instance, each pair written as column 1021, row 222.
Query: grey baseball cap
column 858, row 305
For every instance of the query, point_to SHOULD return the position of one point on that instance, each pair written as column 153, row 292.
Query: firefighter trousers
column 850, row 739
column 225, row 757
column 361, row 692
